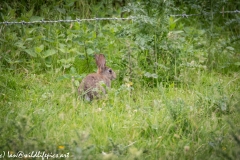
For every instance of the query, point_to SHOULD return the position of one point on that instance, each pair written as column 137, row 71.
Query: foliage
column 177, row 85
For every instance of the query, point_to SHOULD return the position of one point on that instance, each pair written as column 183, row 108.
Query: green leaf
column 237, row 63
column 39, row 49
column 176, row 32
column 30, row 52
column 20, row 44
column 29, row 39
column 90, row 51
column 147, row 74
column 154, row 75
column 48, row 65
column 230, row 48
column 76, row 83
column 48, row 53
column 35, row 18
column 63, row 77
column 73, row 70
column 223, row 106
column 61, row 10
column 172, row 23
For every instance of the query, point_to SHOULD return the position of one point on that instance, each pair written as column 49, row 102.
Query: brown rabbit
column 93, row 84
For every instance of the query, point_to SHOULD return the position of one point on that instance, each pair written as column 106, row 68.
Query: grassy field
column 178, row 121
column 176, row 95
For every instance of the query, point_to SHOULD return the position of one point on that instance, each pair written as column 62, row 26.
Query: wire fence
column 205, row 14
column 66, row 21
column 114, row 18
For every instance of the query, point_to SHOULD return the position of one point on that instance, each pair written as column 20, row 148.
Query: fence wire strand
column 205, row 14
column 113, row 18
column 65, row 21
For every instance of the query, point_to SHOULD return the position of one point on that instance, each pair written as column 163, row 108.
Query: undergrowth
column 176, row 95
column 42, row 112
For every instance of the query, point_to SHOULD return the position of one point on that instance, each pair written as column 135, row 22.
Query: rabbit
column 93, row 85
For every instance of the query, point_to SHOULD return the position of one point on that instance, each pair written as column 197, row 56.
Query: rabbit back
column 93, row 85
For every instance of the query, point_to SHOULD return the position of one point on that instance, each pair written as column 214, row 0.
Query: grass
column 171, row 121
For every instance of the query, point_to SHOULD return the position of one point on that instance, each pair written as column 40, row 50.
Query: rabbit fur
column 94, row 85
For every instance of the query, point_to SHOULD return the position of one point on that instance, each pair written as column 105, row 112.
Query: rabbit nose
column 114, row 75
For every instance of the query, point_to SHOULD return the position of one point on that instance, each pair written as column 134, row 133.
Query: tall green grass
column 176, row 95
column 186, row 121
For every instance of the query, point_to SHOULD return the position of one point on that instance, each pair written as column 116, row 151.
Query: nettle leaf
column 28, row 39
column 90, row 51
column 76, row 83
column 151, row 75
column 237, row 63
column 48, row 53
column 61, row 10
column 13, row 61
column 230, row 48
column 70, row 4
column 39, row 49
column 66, row 65
column 73, row 70
column 223, row 106
column 172, row 23
column 64, row 61
column 147, row 74
column 73, row 50
column 154, row 75
column 176, row 32
column 63, row 77
column 35, row 18
column 20, row 44
column 30, row 52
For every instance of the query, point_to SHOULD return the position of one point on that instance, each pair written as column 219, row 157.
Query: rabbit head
column 102, row 68
column 93, row 85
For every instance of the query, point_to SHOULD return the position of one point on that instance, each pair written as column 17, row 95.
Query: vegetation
column 176, row 95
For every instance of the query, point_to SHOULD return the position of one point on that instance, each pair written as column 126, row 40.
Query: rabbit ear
column 101, row 62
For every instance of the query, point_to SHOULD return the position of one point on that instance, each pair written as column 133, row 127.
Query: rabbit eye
column 110, row 71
